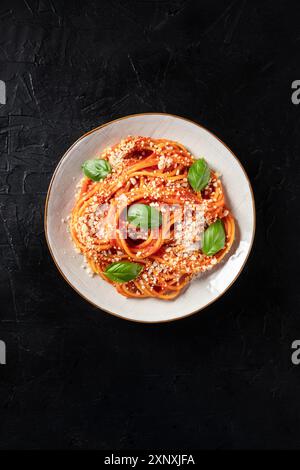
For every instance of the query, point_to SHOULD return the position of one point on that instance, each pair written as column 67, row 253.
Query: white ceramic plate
column 201, row 143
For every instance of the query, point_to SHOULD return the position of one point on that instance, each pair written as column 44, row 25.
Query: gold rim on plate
column 116, row 314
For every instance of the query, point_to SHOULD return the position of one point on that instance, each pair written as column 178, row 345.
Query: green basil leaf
column 144, row 216
column 123, row 271
column 214, row 238
column 199, row 175
column 97, row 169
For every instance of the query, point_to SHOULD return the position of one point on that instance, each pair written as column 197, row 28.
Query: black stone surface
column 76, row 377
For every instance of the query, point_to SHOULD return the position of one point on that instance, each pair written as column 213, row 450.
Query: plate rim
column 46, row 214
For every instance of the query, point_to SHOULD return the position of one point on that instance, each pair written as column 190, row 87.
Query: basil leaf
column 214, row 238
column 123, row 271
column 97, row 169
column 144, row 216
column 199, row 175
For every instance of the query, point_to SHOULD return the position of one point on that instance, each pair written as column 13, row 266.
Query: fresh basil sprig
column 214, row 238
column 123, row 271
column 199, row 175
column 97, row 169
column 144, row 216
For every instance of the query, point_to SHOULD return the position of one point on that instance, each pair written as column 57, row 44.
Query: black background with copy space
column 77, row 377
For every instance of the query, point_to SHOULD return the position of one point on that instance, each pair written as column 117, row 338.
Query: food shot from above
column 149, row 197
column 149, row 217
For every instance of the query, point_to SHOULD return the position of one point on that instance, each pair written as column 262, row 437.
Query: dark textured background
column 77, row 377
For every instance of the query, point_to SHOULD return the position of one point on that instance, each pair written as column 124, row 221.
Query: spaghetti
column 152, row 173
